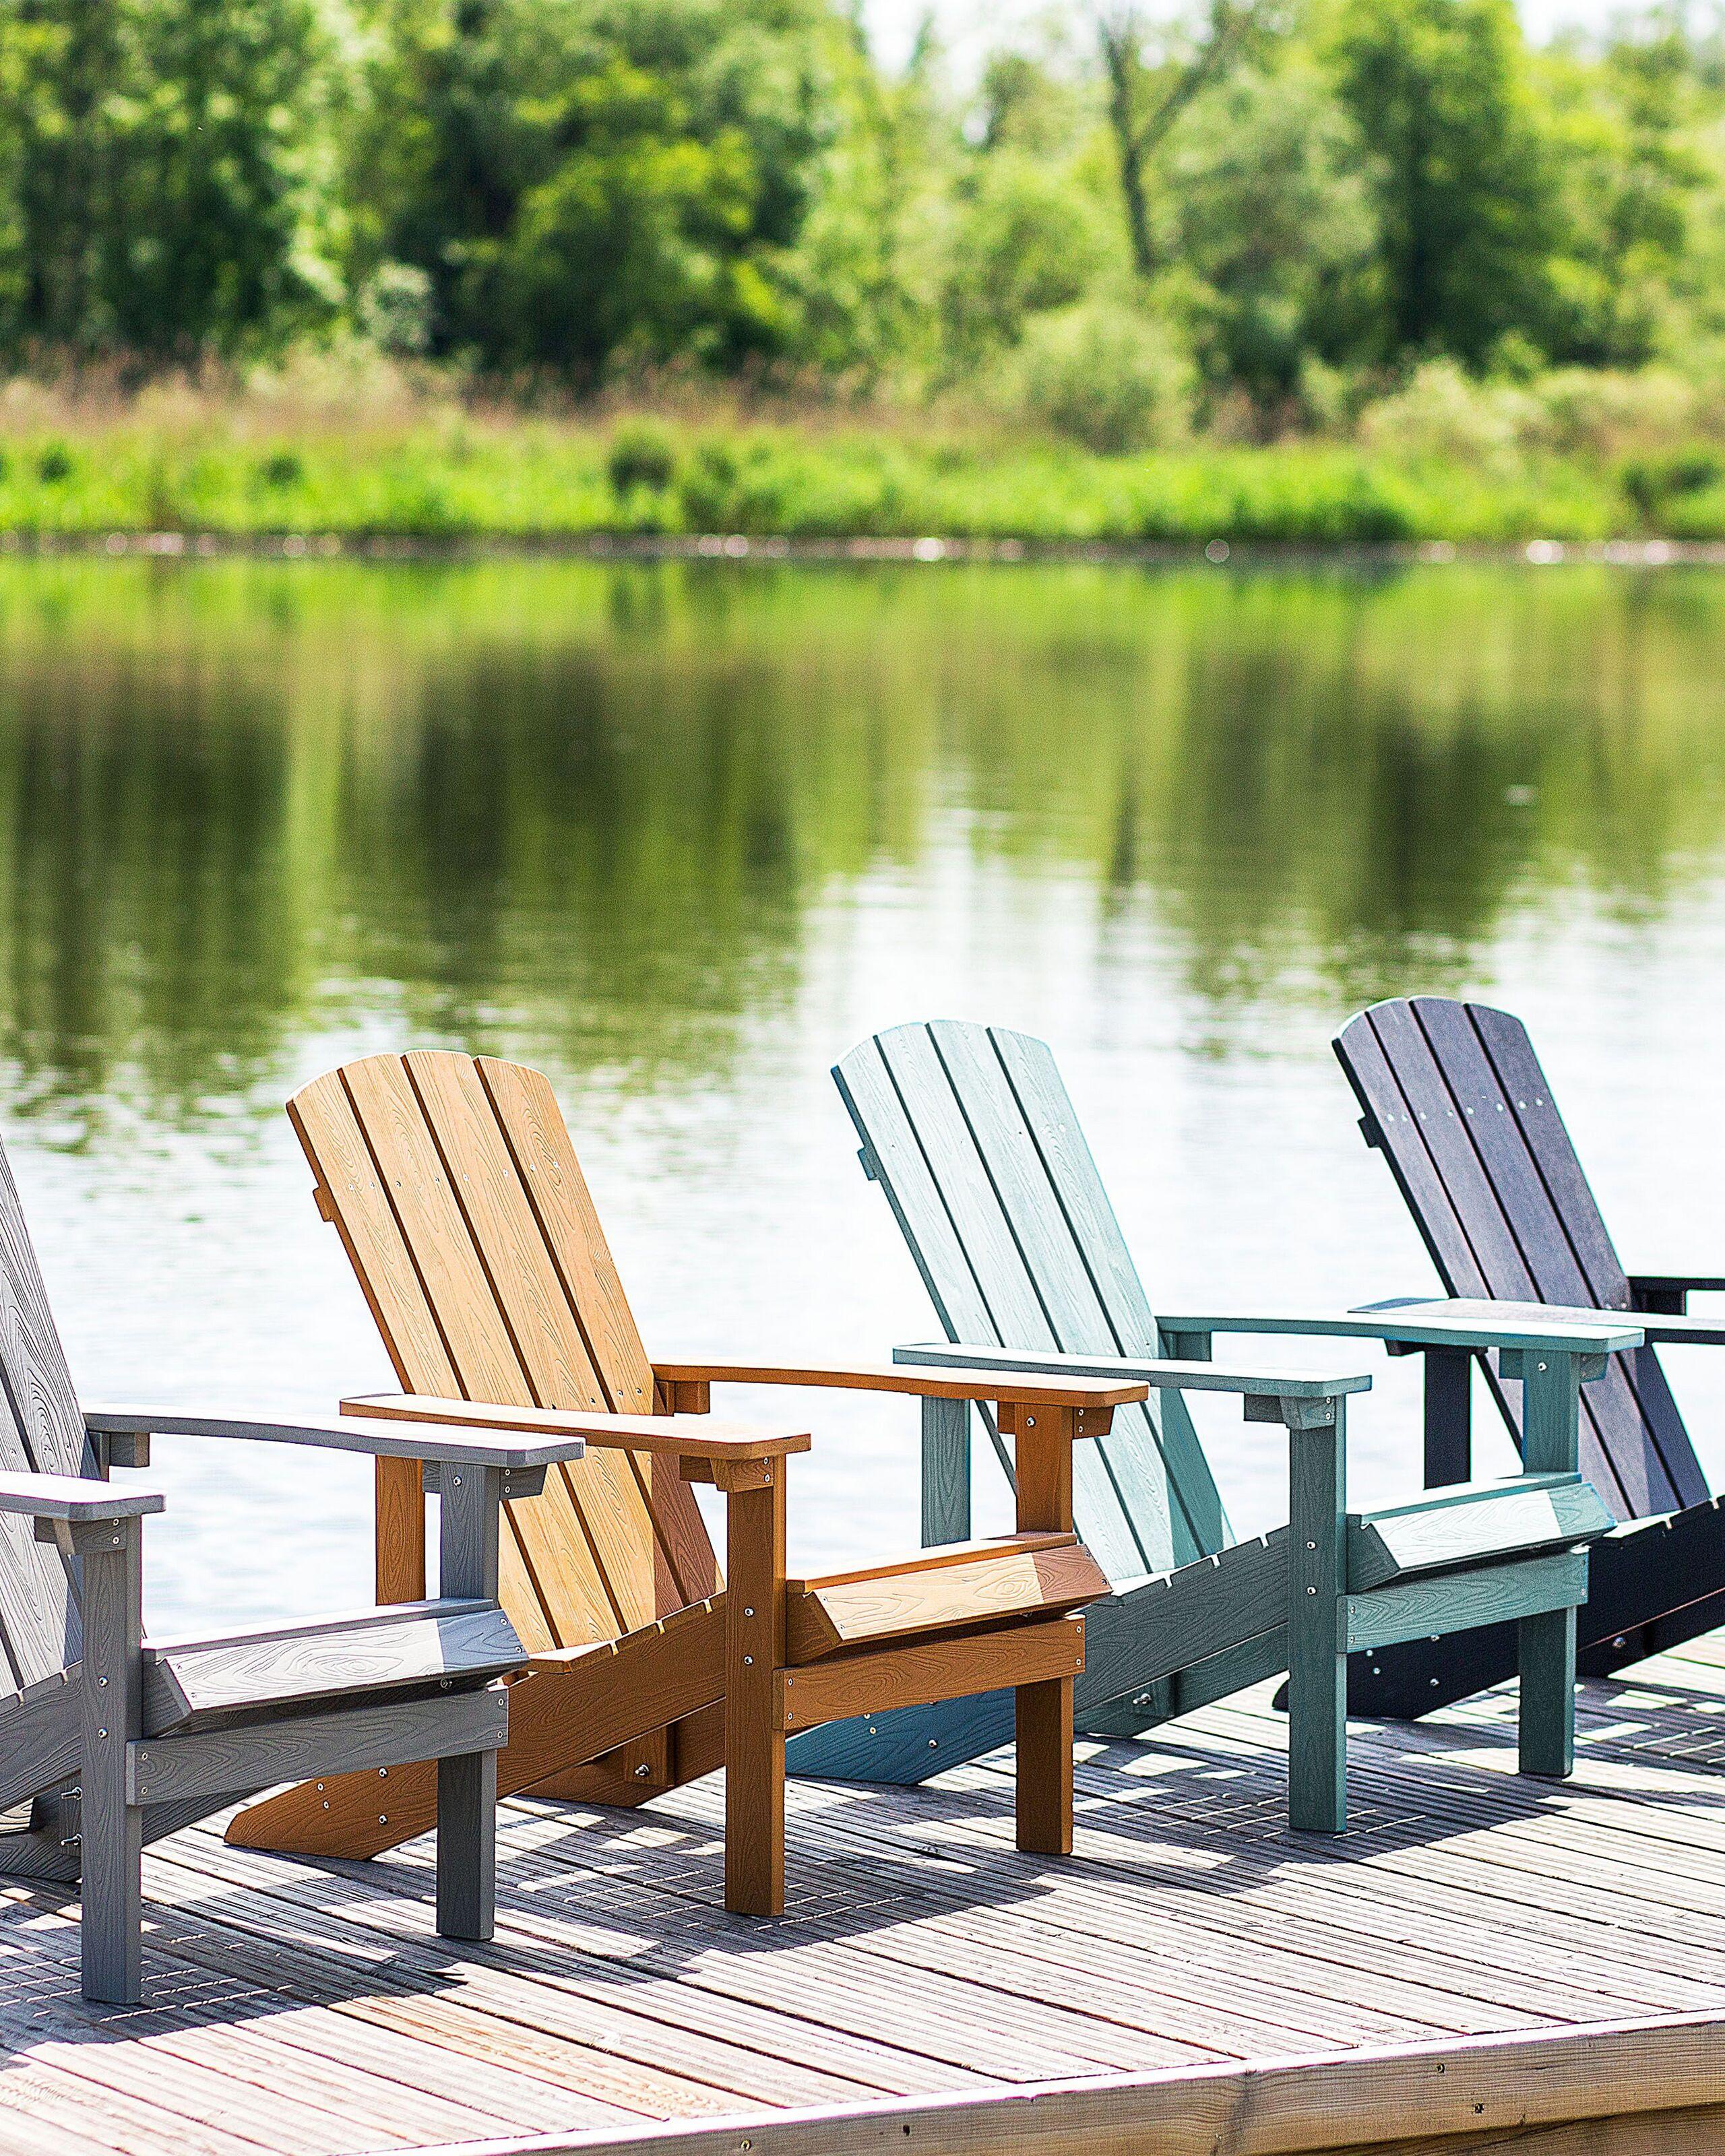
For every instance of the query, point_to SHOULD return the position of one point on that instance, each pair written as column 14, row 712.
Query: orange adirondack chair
column 458, row 1196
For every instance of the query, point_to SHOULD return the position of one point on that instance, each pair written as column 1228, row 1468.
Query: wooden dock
column 1481, row 1963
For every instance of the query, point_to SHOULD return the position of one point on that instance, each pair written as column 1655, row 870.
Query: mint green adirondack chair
column 970, row 1134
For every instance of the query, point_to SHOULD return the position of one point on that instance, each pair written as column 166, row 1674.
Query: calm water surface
column 682, row 835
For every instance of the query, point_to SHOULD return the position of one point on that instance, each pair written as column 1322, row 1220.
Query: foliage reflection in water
column 681, row 832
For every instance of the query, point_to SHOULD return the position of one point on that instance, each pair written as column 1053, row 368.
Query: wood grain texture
column 823, row 1617
column 110, row 1825
column 236, row 1760
column 1464, row 1601
column 41, row 1739
column 946, row 1471
column 1509, row 1519
column 186, row 1684
column 754, row 1727
column 399, row 1559
column 1201, row 1978
column 41, row 1433
column 529, row 1293
column 930, row 1384
column 568, row 1710
column 463, row 1208
column 1468, row 1124
column 1317, row 1670
column 666, row 1436
column 953, row 1668
column 939, row 1557
column 1482, row 2090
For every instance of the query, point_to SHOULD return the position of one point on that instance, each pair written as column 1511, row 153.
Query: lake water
column 682, row 834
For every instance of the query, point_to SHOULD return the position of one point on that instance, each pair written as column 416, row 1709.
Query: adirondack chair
column 458, row 1196
column 108, row 1741
column 1453, row 1097
column 971, row 1135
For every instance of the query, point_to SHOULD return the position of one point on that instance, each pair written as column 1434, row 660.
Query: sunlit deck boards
column 297, row 2010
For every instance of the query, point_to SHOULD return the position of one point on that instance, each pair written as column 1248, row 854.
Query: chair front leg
column 1042, row 1448
column 470, row 1499
column 1318, row 1591
column 754, row 1663
column 111, row 1924
column 1551, row 1444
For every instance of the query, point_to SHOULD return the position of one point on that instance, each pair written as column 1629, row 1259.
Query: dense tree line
column 1260, row 206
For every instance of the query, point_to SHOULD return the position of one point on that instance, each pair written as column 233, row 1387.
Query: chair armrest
column 961, row 1384
column 79, row 1500
column 1434, row 1322
column 1574, row 1320
column 1667, row 1294
column 383, row 1439
column 416, row 1415
column 1159, row 1375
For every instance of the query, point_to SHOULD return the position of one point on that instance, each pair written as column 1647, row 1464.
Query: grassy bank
column 241, row 470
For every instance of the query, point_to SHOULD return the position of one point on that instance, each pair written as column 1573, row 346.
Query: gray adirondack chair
column 1454, row 1097
column 108, row 1741
column 971, row 1135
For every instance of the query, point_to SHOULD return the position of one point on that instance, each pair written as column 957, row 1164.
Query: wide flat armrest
column 960, row 1383
column 383, row 1439
column 1654, row 1328
column 1159, row 1375
column 1431, row 1322
column 1667, row 1294
column 690, row 1437
column 81, row 1500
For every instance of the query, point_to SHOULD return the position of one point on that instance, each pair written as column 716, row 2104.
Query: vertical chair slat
column 556, row 1189
column 1547, row 1139
column 571, row 1607
column 530, row 1298
column 1141, row 1518
column 42, row 1432
column 987, row 1227
column 1157, row 1440
column 1490, row 1121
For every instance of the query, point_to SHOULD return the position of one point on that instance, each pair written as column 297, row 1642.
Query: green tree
column 1024, row 239
column 1467, row 194
column 1628, row 127
column 1152, row 75
column 598, row 180
column 1275, row 230
column 174, row 184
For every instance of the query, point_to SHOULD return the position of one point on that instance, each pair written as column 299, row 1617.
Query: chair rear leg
column 467, row 1845
column 1043, row 1796
column 1548, row 1705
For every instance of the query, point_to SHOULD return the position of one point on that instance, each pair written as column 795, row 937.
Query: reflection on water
column 682, row 832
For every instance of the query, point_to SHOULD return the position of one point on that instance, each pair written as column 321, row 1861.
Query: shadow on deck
column 1480, row 1957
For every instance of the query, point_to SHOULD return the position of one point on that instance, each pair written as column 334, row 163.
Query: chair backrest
column 1455, row 1100
column 459, row 1200
column 970, row 1133
column 41, row 1433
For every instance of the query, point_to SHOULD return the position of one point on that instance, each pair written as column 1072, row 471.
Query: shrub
column 1444, row 415
column 282, row 468
column 1105, row 375
column 54, row 464
column 394, row 308
column 1653, row 482
column 643, row 454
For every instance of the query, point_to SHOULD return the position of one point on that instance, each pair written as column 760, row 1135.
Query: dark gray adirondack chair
column 971, row 1135
column 107, row 1741
column 1453, row 1097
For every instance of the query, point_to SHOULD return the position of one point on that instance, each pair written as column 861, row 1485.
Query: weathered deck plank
column 305, row 2010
